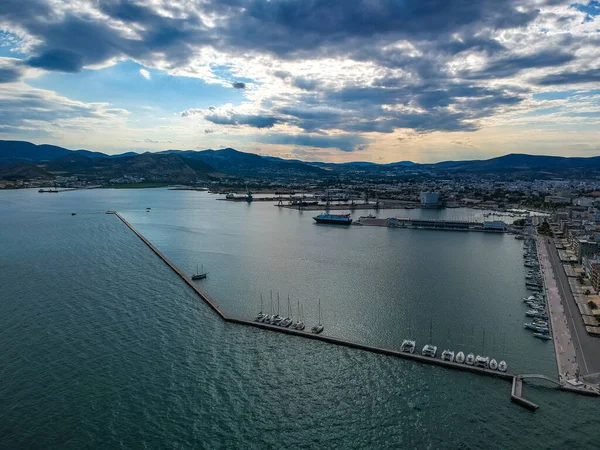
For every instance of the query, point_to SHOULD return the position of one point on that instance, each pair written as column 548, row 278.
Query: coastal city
column 256, row 224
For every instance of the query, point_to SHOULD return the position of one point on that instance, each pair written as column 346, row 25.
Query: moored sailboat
column 319, row 327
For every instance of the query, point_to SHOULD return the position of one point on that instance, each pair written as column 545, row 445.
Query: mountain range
column 24, row 160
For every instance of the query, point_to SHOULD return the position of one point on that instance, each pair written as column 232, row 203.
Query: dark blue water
column 101, row 345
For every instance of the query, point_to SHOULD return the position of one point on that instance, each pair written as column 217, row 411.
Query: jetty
column 517, row 381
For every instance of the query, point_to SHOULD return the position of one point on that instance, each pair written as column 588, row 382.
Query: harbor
column 486, row 371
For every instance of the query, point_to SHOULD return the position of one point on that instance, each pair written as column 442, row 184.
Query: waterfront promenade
column 576, row 351
column 566, row 359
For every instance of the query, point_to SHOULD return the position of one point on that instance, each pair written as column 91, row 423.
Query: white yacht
column 502, row 366
column 408, row 346
column 482, row 361
column 460, row 357
column 470, row 360
column 447, row 355
column 494, row 364
column 429, row 350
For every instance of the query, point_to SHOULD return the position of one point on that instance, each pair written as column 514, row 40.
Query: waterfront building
column 556, row 199
column 595, row 274
column 495, row 225
column 584, row 247
column 429, row 199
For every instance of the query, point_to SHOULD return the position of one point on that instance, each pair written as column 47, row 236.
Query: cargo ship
column 334, row 219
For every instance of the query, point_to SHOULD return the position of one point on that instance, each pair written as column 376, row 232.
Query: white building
column 429, row 198
column 495, row 225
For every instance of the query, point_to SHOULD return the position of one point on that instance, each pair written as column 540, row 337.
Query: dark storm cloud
column 346, row 143
column 238, row 85
column 586, row 76
column 60, row 60
column 288, row 29
column 317, row 26
column 256, row 121
column 511, row 65
column 427, row 107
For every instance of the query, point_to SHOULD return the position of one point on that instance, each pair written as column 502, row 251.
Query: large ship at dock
column 334, row 219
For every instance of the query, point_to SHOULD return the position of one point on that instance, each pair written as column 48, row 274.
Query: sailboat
column 276, row 320
column 294, row 325
column 200, row 274
column 429, row 349
column 482, row 361
column 460, row 356
column 319, row 327
column 269, row 319
column 502, row 366
column 300, row 325
column 408, row 345
column 260, row 317
column 288, row 320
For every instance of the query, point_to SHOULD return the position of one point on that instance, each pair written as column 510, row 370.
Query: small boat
column 537, row 328
column 544, row 336
column 408, row 346
column 502, row 366
column 494, row 364
column 482, row 361
column 200, row 274
column 368, row 216
column 535, row 313
column 447, row 355
column 319, row 327
column 429, row 350
column 470, row 360
column 460, row 357
column 73, row 214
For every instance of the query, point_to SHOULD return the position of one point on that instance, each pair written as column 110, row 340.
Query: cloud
column 586, row 76
column 145, row 74
column 153, row 141
column 11, row 70
column 26, row 109
column 345, row 143
column 238, row 85
column 228, row 115
column 208, row 131
column 513, row 64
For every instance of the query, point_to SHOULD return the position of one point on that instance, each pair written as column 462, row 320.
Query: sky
column 331, row 80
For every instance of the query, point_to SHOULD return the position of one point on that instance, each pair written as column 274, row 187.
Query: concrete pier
column 516, row 393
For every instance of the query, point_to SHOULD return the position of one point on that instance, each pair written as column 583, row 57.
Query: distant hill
column 516, row 162
column 22, row 172
column 231, row 162
column 26, row 151
column 152, row 167
column 234, row 162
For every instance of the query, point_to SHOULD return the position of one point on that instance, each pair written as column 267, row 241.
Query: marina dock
column 516, row 394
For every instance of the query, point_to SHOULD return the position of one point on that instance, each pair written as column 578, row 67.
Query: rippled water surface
column 102, row 345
